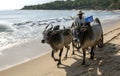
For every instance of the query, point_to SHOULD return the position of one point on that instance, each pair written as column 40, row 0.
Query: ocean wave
column 6, row 27
column 44, row 22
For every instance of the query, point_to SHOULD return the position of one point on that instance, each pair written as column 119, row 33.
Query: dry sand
column 106, row 62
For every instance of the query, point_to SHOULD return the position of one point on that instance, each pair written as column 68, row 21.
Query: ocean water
column 18, row 26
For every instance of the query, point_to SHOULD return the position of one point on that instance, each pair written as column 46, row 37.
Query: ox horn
column 47, row 26
column 50, row 27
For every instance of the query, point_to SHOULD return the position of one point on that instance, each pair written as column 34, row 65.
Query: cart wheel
column 100, row 44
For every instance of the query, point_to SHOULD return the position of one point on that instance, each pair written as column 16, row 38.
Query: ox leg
column 84, row 55
column 68, row 47
column 92, row 53
column 59, row 62
column 73, row 53
column 53, row 56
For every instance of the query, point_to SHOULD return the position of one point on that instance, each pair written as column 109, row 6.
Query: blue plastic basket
column 89, row 19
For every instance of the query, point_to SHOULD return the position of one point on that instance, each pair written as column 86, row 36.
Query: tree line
column 76, row 4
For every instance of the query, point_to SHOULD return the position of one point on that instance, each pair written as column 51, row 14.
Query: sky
column 18, row 4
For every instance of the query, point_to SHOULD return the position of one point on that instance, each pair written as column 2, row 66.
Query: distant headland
column 76, row 4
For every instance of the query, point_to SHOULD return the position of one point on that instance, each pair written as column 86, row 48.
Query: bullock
column 89, row 36
column 57, row 39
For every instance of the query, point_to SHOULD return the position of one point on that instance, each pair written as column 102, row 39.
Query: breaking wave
column 6, row 27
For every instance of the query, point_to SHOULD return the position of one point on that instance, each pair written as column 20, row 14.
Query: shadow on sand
column 106, row 63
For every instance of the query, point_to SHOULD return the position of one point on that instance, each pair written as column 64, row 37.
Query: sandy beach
column 105, row 63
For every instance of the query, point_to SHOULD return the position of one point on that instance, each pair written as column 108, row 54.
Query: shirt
column 79, row 21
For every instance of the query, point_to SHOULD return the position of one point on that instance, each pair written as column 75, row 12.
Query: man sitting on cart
column 80, row 20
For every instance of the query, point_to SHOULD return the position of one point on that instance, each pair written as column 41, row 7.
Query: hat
column 80, row 12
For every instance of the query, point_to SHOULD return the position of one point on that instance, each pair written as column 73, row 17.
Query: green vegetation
column 76, row 4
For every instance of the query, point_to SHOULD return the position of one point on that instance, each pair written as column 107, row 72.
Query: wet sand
column 105, row 63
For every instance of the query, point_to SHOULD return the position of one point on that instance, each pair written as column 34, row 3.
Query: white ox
column 89, row 36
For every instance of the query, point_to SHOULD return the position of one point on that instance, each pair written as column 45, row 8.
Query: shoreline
column 23, row 62
column 19, row 53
